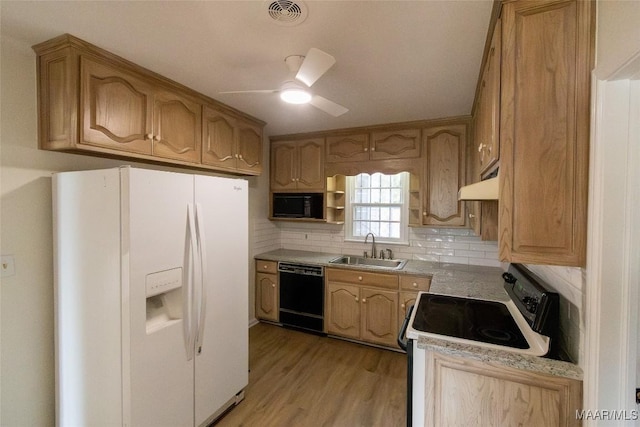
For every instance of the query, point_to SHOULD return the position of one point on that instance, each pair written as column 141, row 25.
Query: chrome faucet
column 373, row 244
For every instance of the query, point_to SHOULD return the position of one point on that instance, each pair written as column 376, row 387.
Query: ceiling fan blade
column 327, row 106
column 315, row 64
column 252, row 91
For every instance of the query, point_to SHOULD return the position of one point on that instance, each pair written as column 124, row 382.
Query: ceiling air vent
column 287, row 12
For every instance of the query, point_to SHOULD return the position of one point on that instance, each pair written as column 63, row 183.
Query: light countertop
column 456, row 280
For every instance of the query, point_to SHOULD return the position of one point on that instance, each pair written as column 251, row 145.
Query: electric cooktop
column 477, row 320
column 526, row 322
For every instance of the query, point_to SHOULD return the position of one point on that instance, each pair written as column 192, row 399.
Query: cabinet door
column 398, row 144
column 116, row 109
column 379, row 313
column 342, row 315
column 310, row 165
column 249, row 148
column 218, row 139
column 444, row 175
column 547, row 57
column 406, row 300
column 267, row 296
column 463, row 392
column 489, row 95
column 283, row 165
column 177, row 131
column 347, row 148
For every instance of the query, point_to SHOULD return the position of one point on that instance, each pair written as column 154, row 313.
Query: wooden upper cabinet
column 311, row 165
column 297, row 165
column 283, row 166
column 487, row 134
column 125, row 113
column 177, row 129
column 93, row 102
column 249, row 148
column 218, row 139
column 230, row 143
column 395, row 144
column 117, row 109
column 547, row 58
column 375, row 145
column 445, row 148
column 347, row 148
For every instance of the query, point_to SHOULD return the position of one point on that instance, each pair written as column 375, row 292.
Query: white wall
column 613, row 262
column 26, row 310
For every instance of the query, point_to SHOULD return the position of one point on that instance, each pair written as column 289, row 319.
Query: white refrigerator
column 151, row 297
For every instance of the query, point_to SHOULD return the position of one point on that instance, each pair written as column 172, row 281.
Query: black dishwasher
column 301, row 296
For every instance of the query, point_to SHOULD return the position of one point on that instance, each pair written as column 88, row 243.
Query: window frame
column 404, row 211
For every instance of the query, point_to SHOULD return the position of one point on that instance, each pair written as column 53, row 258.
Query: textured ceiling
column 396, row 60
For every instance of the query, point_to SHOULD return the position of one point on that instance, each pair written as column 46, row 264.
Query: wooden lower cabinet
column 365, row 314
column 463, row 392
column 342, row 310
column 267, row 290
column 406, row 300
column 379, row 316
column 369, row 306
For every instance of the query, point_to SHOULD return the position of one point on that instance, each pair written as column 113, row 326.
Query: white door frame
column 613, row 258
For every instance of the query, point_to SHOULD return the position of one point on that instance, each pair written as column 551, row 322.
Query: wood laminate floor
column 300, row 379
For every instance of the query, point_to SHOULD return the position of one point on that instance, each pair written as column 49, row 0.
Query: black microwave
column 298, row 205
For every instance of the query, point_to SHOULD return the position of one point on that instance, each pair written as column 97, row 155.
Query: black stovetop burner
column 476, row 320
column 491, row 321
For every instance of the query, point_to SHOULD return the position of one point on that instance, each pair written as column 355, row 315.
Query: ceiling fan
column 304, row 72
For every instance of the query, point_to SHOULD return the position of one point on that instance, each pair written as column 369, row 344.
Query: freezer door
column 161, row 389
column 222, row 363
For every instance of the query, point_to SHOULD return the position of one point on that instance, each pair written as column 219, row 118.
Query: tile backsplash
column 448, row 245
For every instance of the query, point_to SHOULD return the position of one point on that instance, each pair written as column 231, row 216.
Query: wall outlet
column 8, row 266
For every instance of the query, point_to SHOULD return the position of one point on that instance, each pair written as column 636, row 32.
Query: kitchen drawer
column 359, row 277
column 415, row 283
column 266, row 266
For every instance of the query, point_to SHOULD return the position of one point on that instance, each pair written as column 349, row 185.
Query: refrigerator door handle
column 202, row 296
column 191, row 252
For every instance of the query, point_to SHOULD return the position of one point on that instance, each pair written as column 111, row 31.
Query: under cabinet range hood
column 484, row 190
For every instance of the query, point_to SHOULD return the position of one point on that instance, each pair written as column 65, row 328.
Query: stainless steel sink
column 389, row 264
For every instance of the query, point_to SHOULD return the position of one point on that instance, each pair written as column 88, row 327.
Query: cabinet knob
column 265, row 266
column 373, row 148
column 480, row 148
column 402, row 305
column 156, row 138
column 366, row 149
column 424, row 213
column 293, row 180
column 357, row 299
column 360, row 278
column 149, row 136
column 472, row 216
column 273, row 285
column 415, row 285
column 240, row 156
column 364, row 300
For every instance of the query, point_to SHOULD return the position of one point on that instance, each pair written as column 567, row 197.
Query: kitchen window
column 377, row 203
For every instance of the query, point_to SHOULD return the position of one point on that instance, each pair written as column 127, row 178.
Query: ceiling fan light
column 295, row 96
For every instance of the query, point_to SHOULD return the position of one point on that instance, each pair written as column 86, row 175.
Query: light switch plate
column 8, row 266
